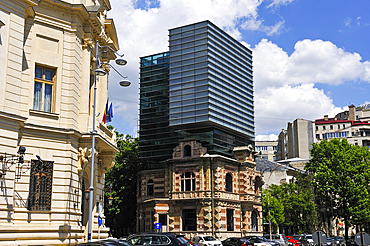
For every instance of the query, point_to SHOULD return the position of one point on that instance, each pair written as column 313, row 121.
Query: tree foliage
column 298, row 203
column 276, row 211
column 341, row 174
column 121, row 216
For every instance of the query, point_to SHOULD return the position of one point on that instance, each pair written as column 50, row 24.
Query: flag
column 110, row 113
column 105, row 113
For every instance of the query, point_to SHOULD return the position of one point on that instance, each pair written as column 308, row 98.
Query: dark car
column 107, row 242
column 258, row 240
column 150, row 238
column 329, row 242
column 339, row 241
column 351, row 241
column 236, row 241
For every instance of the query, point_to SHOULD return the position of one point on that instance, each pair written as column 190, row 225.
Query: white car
column 205, row 240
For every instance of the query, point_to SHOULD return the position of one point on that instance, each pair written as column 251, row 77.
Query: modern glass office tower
column 207, row 94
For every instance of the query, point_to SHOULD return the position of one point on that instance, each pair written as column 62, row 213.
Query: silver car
column 279, row 238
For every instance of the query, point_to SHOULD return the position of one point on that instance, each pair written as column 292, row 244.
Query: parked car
column 152, row 238
column 236, row 241
column 329, row 242
column 208, row 240
column 107, row 242
column 279, row 238
column 294, row 240
column 309, row 239
column 351, row 241
column 339, row 241
column 261, row 241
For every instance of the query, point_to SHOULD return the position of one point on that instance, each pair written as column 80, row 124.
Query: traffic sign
column 100, row 221
column 157, row 226
column 319, row 237
column 362, row 238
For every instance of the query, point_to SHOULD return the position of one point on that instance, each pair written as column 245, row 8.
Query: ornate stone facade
column 47, row 51
column 198, row 193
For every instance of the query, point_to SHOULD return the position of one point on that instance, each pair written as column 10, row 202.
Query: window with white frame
column 188, row 181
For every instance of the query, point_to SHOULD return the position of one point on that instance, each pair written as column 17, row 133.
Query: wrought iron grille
column 39, row 198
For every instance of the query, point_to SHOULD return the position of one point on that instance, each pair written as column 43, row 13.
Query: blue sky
column 310, row 57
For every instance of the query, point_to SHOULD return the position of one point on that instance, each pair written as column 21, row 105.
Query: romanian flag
column 105, row 113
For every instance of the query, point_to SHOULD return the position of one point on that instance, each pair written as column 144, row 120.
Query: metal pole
column 93, row 150
column 268, row 207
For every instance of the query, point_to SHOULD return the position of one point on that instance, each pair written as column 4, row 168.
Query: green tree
column 276, row 212
column 341, row 179
column 298, row 202
column 120, row 183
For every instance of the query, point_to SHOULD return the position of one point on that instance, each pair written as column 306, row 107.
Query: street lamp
column 99, row 71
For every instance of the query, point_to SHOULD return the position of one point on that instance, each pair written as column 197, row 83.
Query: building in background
column 47, row 51
column 352, row 125
column 296, row 141
column 201, row 194
column 269, row 150
column 202, row 88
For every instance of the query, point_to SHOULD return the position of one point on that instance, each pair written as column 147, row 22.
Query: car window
column 228, row 240
column 165, row 240
column 136, row 240
column 182, row 240
column 209, row 238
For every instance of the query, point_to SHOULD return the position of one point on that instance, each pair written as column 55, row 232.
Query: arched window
column 254, row 221
column 150, row 188
column 187, row 151
column 229, row 182
column 188, row 181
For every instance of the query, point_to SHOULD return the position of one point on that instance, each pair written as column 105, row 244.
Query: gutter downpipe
column 212, row 197
column 241, row 213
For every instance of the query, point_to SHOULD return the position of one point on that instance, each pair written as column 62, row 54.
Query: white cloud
column 284, row 85
column 347, row 22
column 271, row 137
column 275, row 107
column 254, row 25
column 276, row 3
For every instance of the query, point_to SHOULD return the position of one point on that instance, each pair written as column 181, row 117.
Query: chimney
column 352, row 112
column 326, row 117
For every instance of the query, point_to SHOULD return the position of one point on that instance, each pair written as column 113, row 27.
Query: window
column 229, row 182
column 323, row 127
column 317, row 136
column 254, row 221
column 41, row 175
column 331, row 127
column 189, row 220
column 163, row 219
column 338, row 126
column 43, row 90
column 230, row 219
column 188, row 181
column 317, row 128
column 150, row 188
column 187, row 151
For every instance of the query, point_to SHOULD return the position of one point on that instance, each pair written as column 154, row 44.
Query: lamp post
column 99, row 71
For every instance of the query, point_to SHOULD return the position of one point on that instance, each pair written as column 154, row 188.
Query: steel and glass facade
column 209, row 89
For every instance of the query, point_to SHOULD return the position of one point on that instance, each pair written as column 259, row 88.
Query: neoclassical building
column 47, row 52
column 198, row 193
